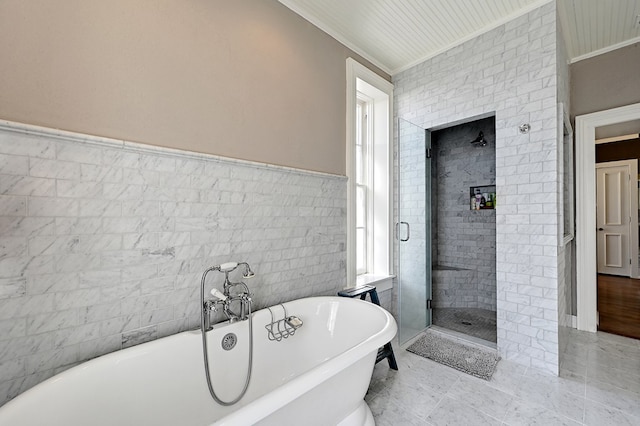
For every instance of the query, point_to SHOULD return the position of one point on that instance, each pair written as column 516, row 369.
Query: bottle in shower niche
column 488, row 203
column 473, row 202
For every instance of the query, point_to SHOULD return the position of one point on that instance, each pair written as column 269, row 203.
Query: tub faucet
column 231, row 293
column 234, row 293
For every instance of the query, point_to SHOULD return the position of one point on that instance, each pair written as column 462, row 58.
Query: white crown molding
column 605, row 50
column 63, row 135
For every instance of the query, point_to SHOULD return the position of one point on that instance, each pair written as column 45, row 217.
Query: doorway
column 446, row 229
column 618, row 293
column 586, row 241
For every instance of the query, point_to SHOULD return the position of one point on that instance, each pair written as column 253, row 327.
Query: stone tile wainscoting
column 511, row 72
column 103, row 243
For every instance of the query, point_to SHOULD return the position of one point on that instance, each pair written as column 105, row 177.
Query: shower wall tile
column 12, row 287
column 469, row 82
column 102, row 244
column 463, row 239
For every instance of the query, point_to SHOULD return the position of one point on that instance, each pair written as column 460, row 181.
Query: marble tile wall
column 511, row 72
column 566, row 252
column 457, row 288
column 103, row 243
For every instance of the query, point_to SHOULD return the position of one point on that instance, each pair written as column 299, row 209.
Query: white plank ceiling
column 397, row 34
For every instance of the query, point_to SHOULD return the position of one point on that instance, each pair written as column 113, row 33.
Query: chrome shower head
column 480, row 140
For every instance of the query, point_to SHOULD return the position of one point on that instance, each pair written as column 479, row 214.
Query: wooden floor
column 619, row 305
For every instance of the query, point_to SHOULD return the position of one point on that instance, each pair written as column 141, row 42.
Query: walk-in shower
column 463, row 237
column 446, row 231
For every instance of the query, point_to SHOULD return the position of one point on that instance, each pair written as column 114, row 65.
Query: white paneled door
column 613, row 217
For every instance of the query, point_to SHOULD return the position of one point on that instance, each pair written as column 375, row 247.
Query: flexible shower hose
column 206, row 352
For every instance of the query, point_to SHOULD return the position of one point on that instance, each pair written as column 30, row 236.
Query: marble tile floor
column 599, row 384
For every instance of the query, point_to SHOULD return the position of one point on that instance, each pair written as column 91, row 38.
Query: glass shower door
column 413, row 229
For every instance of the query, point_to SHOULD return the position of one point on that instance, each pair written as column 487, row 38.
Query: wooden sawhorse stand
column 386, row 351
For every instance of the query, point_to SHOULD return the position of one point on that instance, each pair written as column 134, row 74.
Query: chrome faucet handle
column 212, row 304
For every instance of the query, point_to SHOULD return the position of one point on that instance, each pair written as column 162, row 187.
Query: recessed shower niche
column 463, row 170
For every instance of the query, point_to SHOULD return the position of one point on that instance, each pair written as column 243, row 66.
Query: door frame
column 632, row 195
column 586, row 268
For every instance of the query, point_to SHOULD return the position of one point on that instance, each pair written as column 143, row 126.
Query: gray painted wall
column 605, row 81
column 245, row 79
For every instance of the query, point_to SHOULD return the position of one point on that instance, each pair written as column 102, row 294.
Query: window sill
column 381, row 282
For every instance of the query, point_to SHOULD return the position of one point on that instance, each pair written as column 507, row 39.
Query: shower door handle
column 408, row 232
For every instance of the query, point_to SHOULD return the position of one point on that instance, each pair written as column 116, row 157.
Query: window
column 369, row 169
column 363, row 186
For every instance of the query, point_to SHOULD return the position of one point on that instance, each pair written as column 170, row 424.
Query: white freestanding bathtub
column 318, row 376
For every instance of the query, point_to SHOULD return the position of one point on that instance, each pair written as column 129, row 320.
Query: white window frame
column 380, row 91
